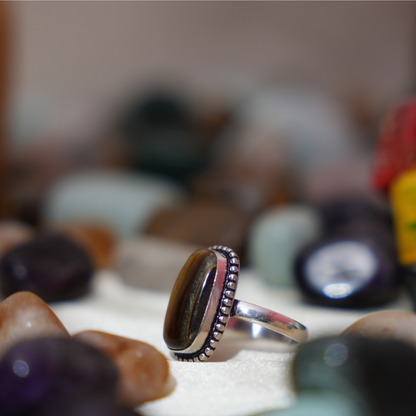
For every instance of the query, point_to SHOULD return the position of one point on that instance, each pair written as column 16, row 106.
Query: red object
column 396, row 149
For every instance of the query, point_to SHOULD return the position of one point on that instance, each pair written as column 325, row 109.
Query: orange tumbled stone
column 144, row 371
column 97, row 240
column 23, row 316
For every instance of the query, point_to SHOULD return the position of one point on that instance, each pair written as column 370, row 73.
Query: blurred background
column 187, row 121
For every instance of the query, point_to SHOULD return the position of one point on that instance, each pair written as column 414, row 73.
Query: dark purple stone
column 40, row 371
column 345, row 212
column 52, row 266
column 352, row 269
column 86, row 406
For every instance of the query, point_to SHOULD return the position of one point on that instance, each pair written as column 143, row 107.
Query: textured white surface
column 247, row 384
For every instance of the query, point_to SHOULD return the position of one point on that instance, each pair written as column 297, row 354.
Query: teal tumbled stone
column 376, row 373
column 121, row 201
column 277, row 236
column 313, row 403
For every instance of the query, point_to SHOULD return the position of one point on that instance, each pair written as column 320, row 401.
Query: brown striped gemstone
column 189, row 300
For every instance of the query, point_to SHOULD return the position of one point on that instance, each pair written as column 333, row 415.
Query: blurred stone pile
column 167, row 172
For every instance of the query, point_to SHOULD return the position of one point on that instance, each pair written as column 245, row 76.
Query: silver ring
column 202, row 302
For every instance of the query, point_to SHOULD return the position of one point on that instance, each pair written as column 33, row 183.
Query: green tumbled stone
column 378, row 374
column 320, row 403
column 189, row 300
column 277, row 236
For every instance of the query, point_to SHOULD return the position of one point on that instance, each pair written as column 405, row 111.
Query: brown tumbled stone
column 143, row 370
column 392, row 324
column 189, row 300
column 202, row 223
column 23, row 316
column 97, row 240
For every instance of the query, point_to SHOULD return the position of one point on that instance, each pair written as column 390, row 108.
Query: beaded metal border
column 222, row 314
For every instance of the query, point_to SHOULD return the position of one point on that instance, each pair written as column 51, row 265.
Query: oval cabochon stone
column 189, row 300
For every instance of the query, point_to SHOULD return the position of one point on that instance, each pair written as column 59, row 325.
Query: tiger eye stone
column 189, row 300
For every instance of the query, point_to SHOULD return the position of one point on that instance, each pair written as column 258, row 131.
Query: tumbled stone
column 379, row 373
column 123, row 201
column 38, row 371
column 52, row 266
column 151, row 262
column 276, row 237
column 395, row 149
column 23, row 316
column 159, row 132
column 341, row 212
column 202, row 223
column 250, row 187
column 401, row 192
column 96, row 239
column 13, row 233
column 144, row 371
column 350, row 269
column 391, row 324
column 189, row 299
column 321, row 403
column 86, row 406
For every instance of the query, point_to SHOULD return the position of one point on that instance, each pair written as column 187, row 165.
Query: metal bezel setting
column 221, row 311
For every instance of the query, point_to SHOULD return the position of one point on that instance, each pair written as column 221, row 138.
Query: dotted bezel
column 223, row 311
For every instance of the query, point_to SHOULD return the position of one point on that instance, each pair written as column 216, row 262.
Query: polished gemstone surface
column 276, row 237
column 144, row 371
column 97, row 240
column 24, row 316
column 341, row 212
column 36, row 372
column 148, row 261
column 86, row 406
column 350, row 269
column 189, row 300
column 158, row 129
column 122, row 201
column 390, row 324
column 376, row 373
column 203, row 223
column 321, row 403
column 51, row 266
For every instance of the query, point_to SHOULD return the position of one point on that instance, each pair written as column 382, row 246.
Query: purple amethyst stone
column 52, row 266
column 86, row 406
column 41, row 371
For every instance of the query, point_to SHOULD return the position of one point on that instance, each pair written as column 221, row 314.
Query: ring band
column 202, row 301
column 270, row 320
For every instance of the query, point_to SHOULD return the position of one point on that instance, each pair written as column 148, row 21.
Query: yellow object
column 403, row 199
